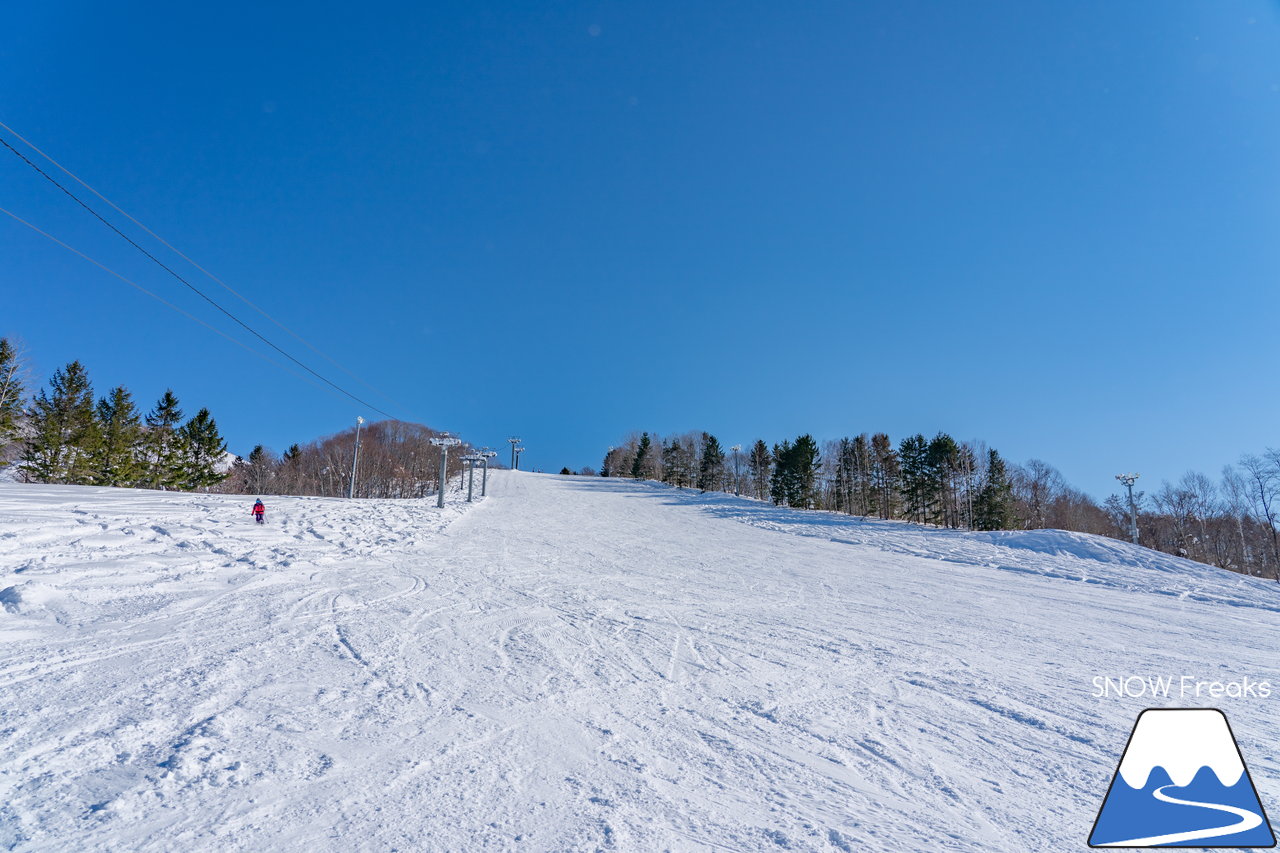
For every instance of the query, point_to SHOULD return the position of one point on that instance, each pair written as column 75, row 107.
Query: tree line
column 63, row 434
column 396, row 460
column 965, row 484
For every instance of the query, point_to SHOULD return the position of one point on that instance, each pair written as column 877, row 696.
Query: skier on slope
column 258, row 510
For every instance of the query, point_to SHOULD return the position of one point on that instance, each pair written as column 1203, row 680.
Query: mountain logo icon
column 1182, row 782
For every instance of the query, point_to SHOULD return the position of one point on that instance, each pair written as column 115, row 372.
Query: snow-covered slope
column 581, row 664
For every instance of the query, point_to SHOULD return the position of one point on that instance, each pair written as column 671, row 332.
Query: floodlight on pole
column 737, row 478
column 444, row 443
column 1128, row 480
column 518, row 451
column 484, row 469
column 351, row 490
column 514, row 440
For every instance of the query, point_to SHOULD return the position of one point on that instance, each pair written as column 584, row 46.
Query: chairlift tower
column 513, row 441
column 485, row 455
column 1128, row 480
column 737, row 478
column 444, row 443
column 518, row 451
column 471, row 459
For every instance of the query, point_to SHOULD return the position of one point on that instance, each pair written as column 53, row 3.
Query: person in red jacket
column 258, row 510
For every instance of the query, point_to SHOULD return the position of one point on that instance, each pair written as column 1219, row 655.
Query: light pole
column 444, row 443
column 518, row 451
column 1128, row 480
column 514, row 440
column 351, row 491
column 484, row 469
column 471, row 459
column 737, row 478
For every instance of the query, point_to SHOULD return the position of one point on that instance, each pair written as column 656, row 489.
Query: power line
column 191, row 286
column 164, row 301
column 189, row 260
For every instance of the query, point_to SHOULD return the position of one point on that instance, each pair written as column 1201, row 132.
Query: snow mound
column 1064, row 543
column 29, row 598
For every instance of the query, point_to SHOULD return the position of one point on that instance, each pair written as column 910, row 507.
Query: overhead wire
column 191, row 261
column 191, row 286
column 166, row 302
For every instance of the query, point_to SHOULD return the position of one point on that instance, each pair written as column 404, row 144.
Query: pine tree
column 916, row 481
column 993, row 509
column 642, row 453
column 862, row 493
column 886, row 475
column 671, row 463
column 805, row 461
column 843, row 488
column 760, row 465
column 203, row 451
column 116, row 460
column 711, row 466
column 780, row 477
column 163, row 444
column 64, row 431
column 291, row 470
column 941, row 461
column 259, row 470
column 12, row 392
column 678, row 458
column 670, row 466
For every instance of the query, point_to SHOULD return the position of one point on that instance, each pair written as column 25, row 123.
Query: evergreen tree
column 678, row 462
column 760, row 465
column 163, row 444
column 64, row 431
column 862, row 465
column 711, row 467
column 642, row 453
column 666, row 456
column 844, row 485
column 203, row 452
column 291, row 470
column 795, row 473
column 941, row 460
column 116, row 461
column 916, row 482
column 804, row 464
column 779, row 478
column 886, row 475
column 12, row 392
column 993, row 509
column 259, row 470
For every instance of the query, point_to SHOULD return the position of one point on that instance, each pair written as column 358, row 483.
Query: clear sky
column 1052, row 226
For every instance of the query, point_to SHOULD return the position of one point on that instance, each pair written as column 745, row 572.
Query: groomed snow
column 580, row 664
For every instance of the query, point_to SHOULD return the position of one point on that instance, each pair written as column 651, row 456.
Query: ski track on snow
column 578, row 664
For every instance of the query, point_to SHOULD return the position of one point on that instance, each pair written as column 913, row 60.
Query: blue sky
column 1047, row 225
